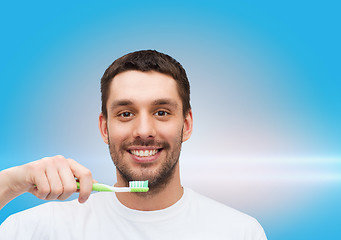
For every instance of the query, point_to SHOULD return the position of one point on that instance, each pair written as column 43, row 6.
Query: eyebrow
column 165, row 101
column 119, row 103
column 157, row 102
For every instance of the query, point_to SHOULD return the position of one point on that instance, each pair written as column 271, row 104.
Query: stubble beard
column 157, row 179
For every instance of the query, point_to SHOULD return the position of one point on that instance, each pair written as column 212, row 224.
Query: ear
column 188, row 126
column 103, row 128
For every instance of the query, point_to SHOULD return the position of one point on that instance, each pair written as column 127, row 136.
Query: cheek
column 118, row 133
column 171, row 132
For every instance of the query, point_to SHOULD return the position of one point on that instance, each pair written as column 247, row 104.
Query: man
column 146, row 115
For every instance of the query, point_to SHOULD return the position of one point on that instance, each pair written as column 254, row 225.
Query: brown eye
column 161, row 113
column 126, row 114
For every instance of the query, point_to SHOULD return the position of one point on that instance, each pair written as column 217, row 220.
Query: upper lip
column 143, row 148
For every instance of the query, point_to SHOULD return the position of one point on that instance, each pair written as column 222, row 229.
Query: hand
column 49, row 178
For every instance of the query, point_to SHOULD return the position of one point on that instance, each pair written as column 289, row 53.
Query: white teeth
column 146, row 153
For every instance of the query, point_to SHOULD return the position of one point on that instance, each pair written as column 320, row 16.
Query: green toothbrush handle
column 101, row 187
column 98, row 187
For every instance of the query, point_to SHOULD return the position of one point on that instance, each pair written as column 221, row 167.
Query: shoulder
column 223, row 216
column 207, row 204
column 38, row 222
column 50, row 212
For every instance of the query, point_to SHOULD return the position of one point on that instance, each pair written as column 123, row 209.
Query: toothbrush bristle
column 138, row 186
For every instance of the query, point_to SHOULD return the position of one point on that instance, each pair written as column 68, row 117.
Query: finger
column 68, row 181
column 93, row 181
column 41, row 186
column 85, row 180
column 56, row 186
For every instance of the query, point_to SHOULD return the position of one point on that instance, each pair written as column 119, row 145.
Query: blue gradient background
column 265, row 80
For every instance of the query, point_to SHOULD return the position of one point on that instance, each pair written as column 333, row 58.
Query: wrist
column 6, row 195
column 7, row 183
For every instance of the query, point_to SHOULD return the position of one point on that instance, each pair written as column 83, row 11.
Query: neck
column 161, row 199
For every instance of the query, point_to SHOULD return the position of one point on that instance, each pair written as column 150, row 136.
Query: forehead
column 143, row 86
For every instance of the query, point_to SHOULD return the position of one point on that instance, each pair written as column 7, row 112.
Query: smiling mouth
column 144, row 153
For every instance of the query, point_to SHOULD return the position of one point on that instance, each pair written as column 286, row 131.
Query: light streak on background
column 265, row 80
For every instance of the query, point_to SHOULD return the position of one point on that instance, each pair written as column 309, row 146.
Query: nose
column 144, row 127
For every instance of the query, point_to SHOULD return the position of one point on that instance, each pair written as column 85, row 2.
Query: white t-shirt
column 103, row 217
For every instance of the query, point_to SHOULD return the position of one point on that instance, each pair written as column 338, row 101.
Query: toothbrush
column 134, row 186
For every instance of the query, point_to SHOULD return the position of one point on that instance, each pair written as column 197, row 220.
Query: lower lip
column 148, row 159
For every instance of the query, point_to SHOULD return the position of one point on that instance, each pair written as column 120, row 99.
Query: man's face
column 145, row 126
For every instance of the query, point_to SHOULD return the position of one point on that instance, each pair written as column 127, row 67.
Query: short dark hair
column 145, row 61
